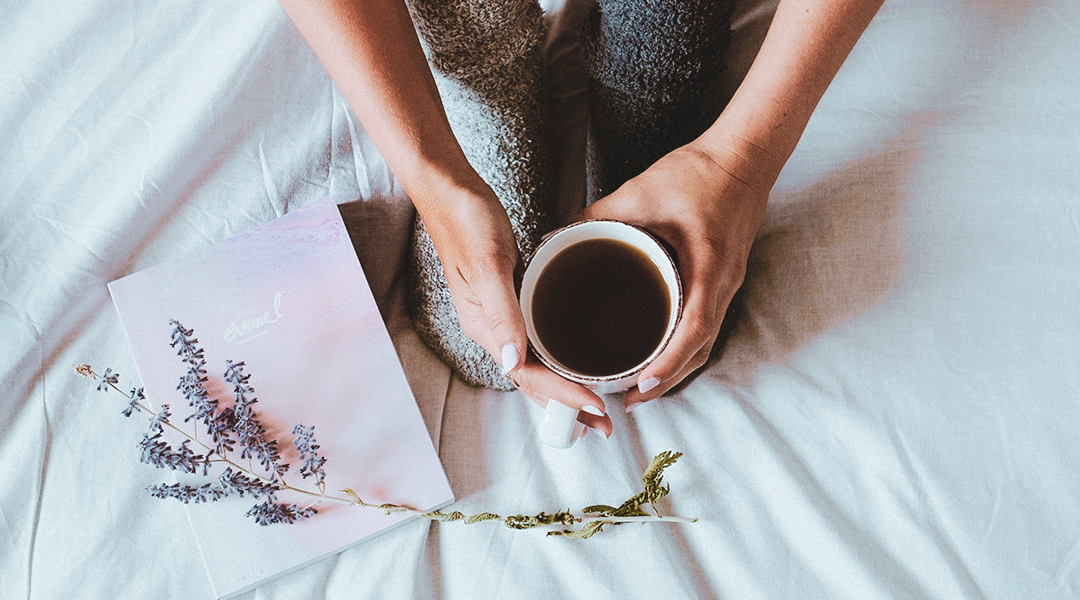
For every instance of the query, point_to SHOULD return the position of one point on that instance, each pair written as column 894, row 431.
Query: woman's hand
column 472, row 234
column 707, row 198
column 706, row 203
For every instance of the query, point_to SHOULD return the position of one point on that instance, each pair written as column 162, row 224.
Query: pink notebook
column 290, row 300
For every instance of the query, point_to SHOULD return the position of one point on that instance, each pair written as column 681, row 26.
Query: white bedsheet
column 894, row 416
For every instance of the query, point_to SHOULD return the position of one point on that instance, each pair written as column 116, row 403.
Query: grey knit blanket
column 654, row 67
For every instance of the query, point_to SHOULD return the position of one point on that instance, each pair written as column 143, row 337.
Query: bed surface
column 893, row 416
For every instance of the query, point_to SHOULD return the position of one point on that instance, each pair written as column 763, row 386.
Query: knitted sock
column 487, row 58
column 654, row 81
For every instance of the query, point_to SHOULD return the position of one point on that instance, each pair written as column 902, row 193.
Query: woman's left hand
column 707, row 205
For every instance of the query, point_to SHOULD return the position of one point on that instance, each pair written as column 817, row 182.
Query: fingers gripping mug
column 601, row 300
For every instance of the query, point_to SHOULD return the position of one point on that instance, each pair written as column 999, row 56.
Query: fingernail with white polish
column 630, row 407
column 509, row 357
column 592, row 410
column 648, row 384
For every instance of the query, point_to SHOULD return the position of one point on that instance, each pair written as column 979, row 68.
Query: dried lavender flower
column 187, row 493
column 159, row 453
column 161, row 416
column 192, row 385
column 242, row 484
column 137, row 398
column 185, row 338
column 269, row 512
column 251, row 435
column 108, row 379
column 306, row 446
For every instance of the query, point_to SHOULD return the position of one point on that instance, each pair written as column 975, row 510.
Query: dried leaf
column 584, row 533
column 443, row 517
column 527, row 522
column 601, row 509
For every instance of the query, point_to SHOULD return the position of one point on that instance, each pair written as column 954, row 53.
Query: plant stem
column 583, row 520
column 644, row 519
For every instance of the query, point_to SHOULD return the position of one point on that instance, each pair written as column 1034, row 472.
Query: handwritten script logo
column 243, row 331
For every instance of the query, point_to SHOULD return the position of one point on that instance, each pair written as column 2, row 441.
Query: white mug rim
column 592, row 380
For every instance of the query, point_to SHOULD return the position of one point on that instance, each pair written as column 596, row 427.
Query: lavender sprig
column 218, row 423
column 229, row 482
column 269, row 512
column 306, row 446
column 245, row 484
column 157, row 452
column 251, row 435
column 235, row 479
column 222, row 424
column 187, row 493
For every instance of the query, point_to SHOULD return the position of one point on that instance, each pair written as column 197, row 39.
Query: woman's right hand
column 472, row 235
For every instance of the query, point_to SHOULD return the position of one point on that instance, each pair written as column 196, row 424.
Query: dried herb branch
column 237, row 440
column 603, row 515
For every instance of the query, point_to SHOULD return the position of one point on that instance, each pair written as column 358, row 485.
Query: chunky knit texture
column 654, row 81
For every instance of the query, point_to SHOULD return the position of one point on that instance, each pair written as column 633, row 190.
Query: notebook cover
column 291, row 301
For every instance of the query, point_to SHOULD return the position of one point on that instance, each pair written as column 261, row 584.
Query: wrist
column 745, row 158
column 434, row 185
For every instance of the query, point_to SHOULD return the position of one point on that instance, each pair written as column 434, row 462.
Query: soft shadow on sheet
column 823, row 257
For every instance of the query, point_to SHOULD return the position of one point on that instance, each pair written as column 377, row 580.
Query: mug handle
column 559, row 427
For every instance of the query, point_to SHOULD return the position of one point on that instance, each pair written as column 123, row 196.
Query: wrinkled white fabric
column 893, row 417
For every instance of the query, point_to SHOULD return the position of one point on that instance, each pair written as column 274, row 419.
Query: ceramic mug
column 550, row 248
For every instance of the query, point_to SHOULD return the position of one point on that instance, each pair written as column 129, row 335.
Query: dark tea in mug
column 600, row 307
